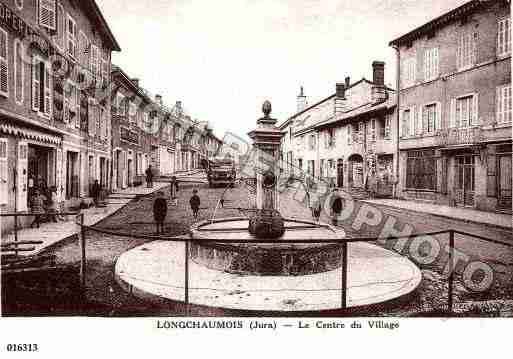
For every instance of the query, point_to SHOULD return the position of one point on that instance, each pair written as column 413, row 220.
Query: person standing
column 195, row 203
column 316, row 210
column 38, row 208
column 149, row 177
column 95, row 192
column 160, row 212
column 174, row 191
column 53, row 206
column 336, row 207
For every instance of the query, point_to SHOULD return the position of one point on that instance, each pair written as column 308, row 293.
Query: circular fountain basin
column 278, row 258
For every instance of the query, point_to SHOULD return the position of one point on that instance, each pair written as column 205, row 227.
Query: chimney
column 302, row 102
column 158, row 99
column 379, row 93
column 340, row 99
column 348, row 82
column 136, row 82
column 378, row 73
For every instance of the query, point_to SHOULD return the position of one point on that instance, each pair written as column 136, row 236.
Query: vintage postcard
column 295, row 166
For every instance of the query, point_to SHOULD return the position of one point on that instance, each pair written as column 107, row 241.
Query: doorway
column 465, row 180
column 504, row 181
column 340, row 173
column 72, row 178
column 355, row 169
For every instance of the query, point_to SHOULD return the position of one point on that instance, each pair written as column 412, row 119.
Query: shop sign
column 10, row 20
column 129, row 136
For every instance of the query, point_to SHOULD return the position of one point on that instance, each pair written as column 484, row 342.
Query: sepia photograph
column 234, row 164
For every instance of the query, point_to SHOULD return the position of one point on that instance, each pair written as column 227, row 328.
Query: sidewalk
column 52, row 233
column 465, row 214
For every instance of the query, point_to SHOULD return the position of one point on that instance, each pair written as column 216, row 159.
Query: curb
column 509, row 229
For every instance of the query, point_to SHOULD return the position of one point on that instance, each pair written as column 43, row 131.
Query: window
column 504, row 37
column 409, row 71
column 406, row 123
column 311, row 142
column 71, row 104
column 430, row 118
column 72, row 37
column 19, row 72
column 466, row 54
column 349, row 134
column 132, row 112
column 322, row 173
column 311, row 168
column 95, row 64
column 421, row 170
column 41, row 87
column 504, row 104
column 4, row 64
column 372, row 130
column 60, row 36
column 388, row 128
column 47, row 11
column 464, row 111
column 330, row 138
column 120, row 105
column 84, row 49
column 4, row 174
column 431, row 64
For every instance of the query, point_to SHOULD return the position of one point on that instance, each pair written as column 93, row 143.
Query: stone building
column 455, row 108
column 345, row 138
column 132, row 137
column 55, row 59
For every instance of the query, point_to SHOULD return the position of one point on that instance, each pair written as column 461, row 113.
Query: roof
column 365, row 110
column 439, row 22
column 129, row 82
column 286, row 123
column 96, row 13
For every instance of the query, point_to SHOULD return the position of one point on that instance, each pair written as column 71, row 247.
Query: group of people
column 336, row 206
column 160, row 205
column 44, row 202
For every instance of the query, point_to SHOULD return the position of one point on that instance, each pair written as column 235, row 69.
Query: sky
column 223, row 59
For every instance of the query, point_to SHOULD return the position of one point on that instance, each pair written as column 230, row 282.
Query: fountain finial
column 267, row 108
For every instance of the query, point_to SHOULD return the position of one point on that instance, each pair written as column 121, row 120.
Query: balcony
column 459, row 136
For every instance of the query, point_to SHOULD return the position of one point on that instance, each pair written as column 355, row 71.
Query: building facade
column 455, row 108
column 54, row 100
column 346, row 138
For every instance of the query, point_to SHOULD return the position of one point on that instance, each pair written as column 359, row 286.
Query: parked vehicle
column 221, row 171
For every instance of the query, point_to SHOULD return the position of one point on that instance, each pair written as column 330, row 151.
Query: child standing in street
column 160, row 212
column 195, row 203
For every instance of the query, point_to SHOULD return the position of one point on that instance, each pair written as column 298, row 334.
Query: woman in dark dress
column 160, row 212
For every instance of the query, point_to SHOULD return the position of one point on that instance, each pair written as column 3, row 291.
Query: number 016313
column 22, row 347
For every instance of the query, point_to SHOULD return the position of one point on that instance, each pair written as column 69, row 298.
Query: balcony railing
column 459, row 136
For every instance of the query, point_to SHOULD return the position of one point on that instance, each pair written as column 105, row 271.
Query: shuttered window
column 83, row 49
column 60, row 36
column 48, row 14
column 71, row 35
column 504, row 37
column 406, row 123
column 94, row 65
column 41, row 87
column 4, row 64
column 466, row 53
column 4, row 174
column 409, row 74
column 431, row 120
column 465, row 111
column 431, row 60
column 504, row 104
column 19, row 72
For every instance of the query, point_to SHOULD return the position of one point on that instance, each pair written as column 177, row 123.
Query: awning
column 29, row 134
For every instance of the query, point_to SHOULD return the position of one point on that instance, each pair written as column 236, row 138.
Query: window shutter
column 4, row 64
column 422, row 125
column 91, row 120
column 4, row 172
column 452, row 115
column 414, row 115
column 499, row 112
column 491, row 186
column 77, row 106
column 60, row 37
column 47, row 91
column 475, row 113
column 59, row 174
column 438, row 122
column 36, row 84
column 19, row 72
column 66, row 102
column 436, row 70
column 48, row 14
column 474, row 42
